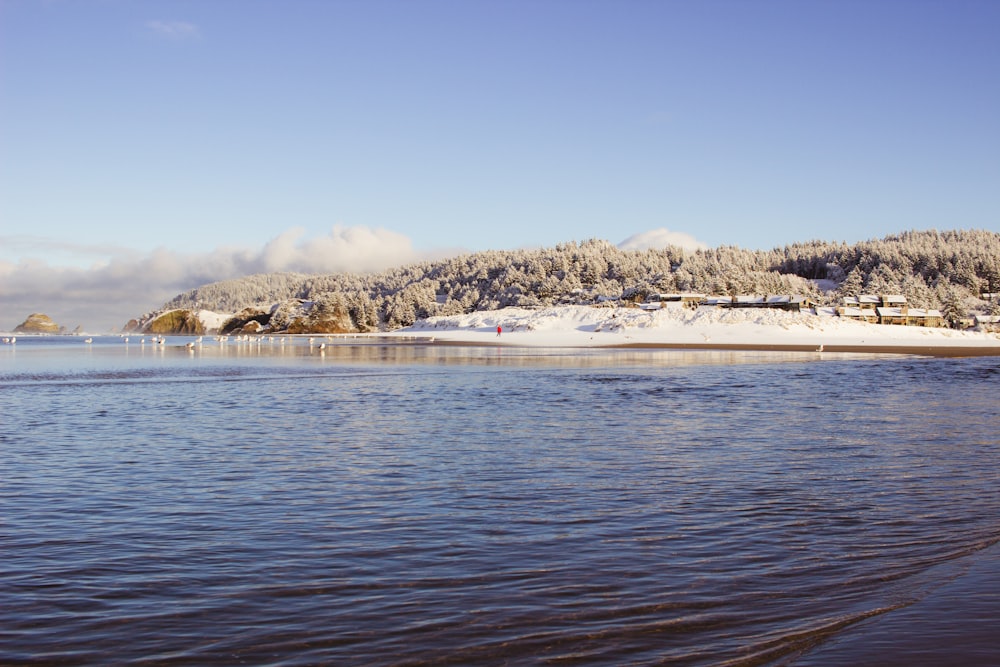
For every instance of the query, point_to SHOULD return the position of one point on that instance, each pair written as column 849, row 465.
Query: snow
column 587, row 326
column 213, row 321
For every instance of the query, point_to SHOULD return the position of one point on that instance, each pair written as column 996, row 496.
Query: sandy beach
column 703, row 329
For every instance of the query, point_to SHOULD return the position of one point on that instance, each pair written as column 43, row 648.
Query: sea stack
column 38, row 323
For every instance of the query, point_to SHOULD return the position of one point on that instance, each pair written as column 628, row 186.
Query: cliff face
column 38, row 323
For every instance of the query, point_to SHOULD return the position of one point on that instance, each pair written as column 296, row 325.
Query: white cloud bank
column 661, row 238
column 105, row 296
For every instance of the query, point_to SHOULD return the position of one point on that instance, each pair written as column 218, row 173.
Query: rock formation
column 38, row 323
column 180, row 321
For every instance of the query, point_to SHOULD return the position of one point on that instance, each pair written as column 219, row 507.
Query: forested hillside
column 945, row 270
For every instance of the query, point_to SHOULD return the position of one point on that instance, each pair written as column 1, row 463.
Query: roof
column 786, row 298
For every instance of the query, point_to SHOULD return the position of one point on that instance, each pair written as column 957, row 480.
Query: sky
column 149, row 147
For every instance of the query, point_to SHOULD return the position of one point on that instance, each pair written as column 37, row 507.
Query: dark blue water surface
column 407, row 504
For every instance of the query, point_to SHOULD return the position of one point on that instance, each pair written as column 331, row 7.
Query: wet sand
column 923, row 350
column 882, row 348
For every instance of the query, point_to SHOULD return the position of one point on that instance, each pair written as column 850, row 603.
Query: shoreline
column 881, row 348
column 709, row 329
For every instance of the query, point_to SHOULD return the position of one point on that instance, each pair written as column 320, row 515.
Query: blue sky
column 195, row 140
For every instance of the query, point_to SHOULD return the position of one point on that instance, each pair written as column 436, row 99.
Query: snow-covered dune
column 585, row 326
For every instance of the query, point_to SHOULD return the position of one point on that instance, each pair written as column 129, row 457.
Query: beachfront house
column 859, row 314
column 687, row 299
column 869, row 301
column 920, row 317
column 894, row 315
column 790, row 302
column 988, row 322
column 748, row 301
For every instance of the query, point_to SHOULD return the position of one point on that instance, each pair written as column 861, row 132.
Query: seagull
column 819, row 349
column 89, row 340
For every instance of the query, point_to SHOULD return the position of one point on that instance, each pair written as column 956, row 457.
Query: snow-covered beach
column 706, row 328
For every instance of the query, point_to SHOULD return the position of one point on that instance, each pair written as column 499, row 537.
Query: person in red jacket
column 499, row 330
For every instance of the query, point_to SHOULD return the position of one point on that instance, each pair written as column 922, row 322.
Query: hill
column 944, row 270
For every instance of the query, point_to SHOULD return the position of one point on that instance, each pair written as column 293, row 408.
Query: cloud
column 661, row 238
column 351, row 249
column 105, row 296
column 174, row 29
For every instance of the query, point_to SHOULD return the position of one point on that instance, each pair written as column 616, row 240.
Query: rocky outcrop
column 323, row 316
column 180, row 321
column 38, row 323
column 293, row 316
column 329, row 314
column 247, row 321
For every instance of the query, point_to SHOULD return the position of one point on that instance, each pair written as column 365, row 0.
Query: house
column 863, row 301
column 689, row 299
column 988, row 322
column 869, row 301
column 748, row 301
column 874, row 301
column 790, row 302
column 919, row 317
column 891, row 315
column 859, row 314
column 881, row 308
column 893, row 300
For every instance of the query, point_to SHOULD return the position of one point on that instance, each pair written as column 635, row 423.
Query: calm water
column 381, row 504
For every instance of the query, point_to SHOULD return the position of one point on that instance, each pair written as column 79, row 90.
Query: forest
column 949, row 270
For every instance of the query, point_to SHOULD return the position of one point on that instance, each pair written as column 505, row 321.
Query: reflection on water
column 377, row 349
column 390, row 503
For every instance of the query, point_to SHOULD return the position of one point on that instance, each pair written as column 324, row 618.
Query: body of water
column 412, row 504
